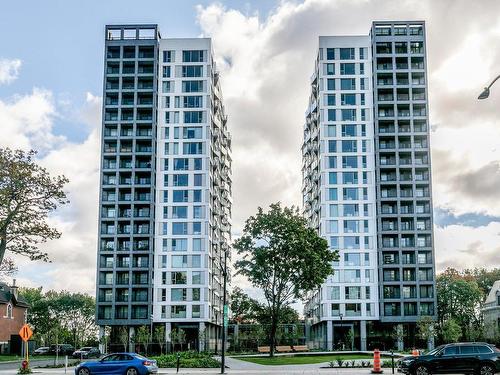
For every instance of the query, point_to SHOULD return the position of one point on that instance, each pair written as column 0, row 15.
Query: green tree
column 242, row 307
column 142, row 337
column 122, row 337
column 483, row 277
column 159, row 336
column 350, row 338
column 28, row 194
column 284, row 257
column 425, row 329
column 178, row 336
column 450, row 331
column 459, row 298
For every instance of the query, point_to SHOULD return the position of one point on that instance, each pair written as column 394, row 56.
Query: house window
column 9, row 311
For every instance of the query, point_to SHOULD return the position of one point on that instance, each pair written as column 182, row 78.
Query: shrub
column 340, row 361
column 190, row 359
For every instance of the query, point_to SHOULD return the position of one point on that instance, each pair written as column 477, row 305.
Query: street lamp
column 224, row 310
column 486, row 91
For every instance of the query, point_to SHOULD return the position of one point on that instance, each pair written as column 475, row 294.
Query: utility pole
column 224, row 315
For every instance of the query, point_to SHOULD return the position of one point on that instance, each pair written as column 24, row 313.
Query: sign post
column 26, row 334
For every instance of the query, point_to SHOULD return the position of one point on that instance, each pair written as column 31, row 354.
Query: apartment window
column 181, row 164
column 192, row 71
column 329, row 69
column 332, row 178
column 334, row 242
column 179, row 212
column 196, row 195
column 349, row 130
column 332, row 146
column 168, row 56
column 193, row 117
column 331, row 130
column 334, row 292
column 361, row 68
column 198, row 244
column 192, row 148
column 349, row 146
column 348, row 114
column 179, row 228
column 193, row 56
column 178, row 311
column 350, row 194
column 180, row 196
column 346, row 53
column 178, row 277
column 348, row 99
column 196, row 277
column 352, row 260
column 332, row 226
column 179, row 244
column 332, row 194
column 352, row 276
column 330, row 54
column 192, row 102
column 180, row 179
column 330, row 84
column 351, row 242
column 349, row 161
column 166, row 72
column 179, row 261
column 178, row 294
column 352, row 292
column 335, row 309
column 331, row 115
column 347, row 69
column 349, row 210
column 192, row 86
column 348, row 84
column 330, row 99
column 331, row 162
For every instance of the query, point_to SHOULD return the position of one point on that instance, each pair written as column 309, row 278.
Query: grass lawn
column 302, row 359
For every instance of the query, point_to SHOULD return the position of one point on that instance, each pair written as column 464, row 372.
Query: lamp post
column 341, row 329
column 224, row 313
column 486, row 91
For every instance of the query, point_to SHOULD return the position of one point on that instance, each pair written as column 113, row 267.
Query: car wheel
column 486, row 370
column 132, row 371
column 422, row 370
column 84, row 371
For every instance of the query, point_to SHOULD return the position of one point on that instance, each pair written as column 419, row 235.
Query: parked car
column 41, row 350
column 87, row 352
column 118, row 363
column 460, row 358
column 62, row 349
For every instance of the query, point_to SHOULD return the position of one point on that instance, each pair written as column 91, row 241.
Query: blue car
column 118, row 363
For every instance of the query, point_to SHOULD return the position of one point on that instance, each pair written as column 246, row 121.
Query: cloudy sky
column 51, row 57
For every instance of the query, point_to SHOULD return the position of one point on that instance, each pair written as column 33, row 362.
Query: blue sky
column 51, row 56
column 60, row 42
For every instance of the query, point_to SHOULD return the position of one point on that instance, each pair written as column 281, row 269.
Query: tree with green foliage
column 459, row 298
column 350, row 338
column 426, row 330
column 28, row 194
column 178, row 337
column 398, row 335
column 284, row 257
column 159, row 336
column 483, row 277
column 142, row 337
column 122, row 337
column 450, row 331
column 242, row 307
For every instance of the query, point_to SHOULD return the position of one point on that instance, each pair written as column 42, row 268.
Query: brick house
column 13, row 312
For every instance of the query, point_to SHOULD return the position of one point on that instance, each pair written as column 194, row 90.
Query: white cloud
column 9, row 70
column 27, row 122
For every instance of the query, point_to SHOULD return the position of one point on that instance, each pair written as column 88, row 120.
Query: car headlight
column 407, row 361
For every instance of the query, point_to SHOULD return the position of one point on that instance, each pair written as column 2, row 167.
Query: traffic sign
column 25, row 333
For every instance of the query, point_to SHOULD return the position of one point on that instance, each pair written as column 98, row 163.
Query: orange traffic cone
column 414, row 352
column 376, row 362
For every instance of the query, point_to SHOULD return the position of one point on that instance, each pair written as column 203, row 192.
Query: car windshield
column 435, row 351
column 138, row 356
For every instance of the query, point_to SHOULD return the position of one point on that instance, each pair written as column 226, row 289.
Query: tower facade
column 366, row 184
column 165, row 198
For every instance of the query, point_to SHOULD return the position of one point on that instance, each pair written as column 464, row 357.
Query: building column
column 168, row 340
column 102, row 338
column 362, row 334
column 202, row 335
column 131, row 339
column 329, row 335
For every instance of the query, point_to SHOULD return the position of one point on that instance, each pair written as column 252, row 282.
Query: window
column 192, row 71
column 193, row 117
column 178, row 311
column 196, row 311
column 331, row 115
column 352, row 292
column 330, row 84
column 348, row 99
column 198, row 244
column 192, row 148
column 350, row 210
column 180, row 179
column 334, row 292
column 349, row 131
column 330, row 54
column 181, row 164
column 166, row 72
column 332, row 226
column 349, row 161
column 352, row 260
column 332, row 178
column 348, row 114
column 330, row 99
column 178, row 294
column 192, row 102
column 346, row 53
column 331, row 162
column 348, row 84
column 467, row 349
column 9, row 311
column 192, row 86
column 351, row 242
column 350, row 194
column 193, row 56
column 352, row 276
column 196, row 277
column 347, row 69
column 329, row 69
column 350, row 178
column 331, row 130
column 179, row 228
column 180, row 196
column 332, row 146
column 179, row 212
column 168, row 56
column 179, row 261
column 332, row 194
column 349, row 146
column 179, row 244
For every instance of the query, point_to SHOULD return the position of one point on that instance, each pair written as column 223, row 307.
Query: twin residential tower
column 165, row 195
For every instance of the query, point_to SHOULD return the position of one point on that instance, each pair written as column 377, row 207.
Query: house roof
column 492, row 295
column 7, row 296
